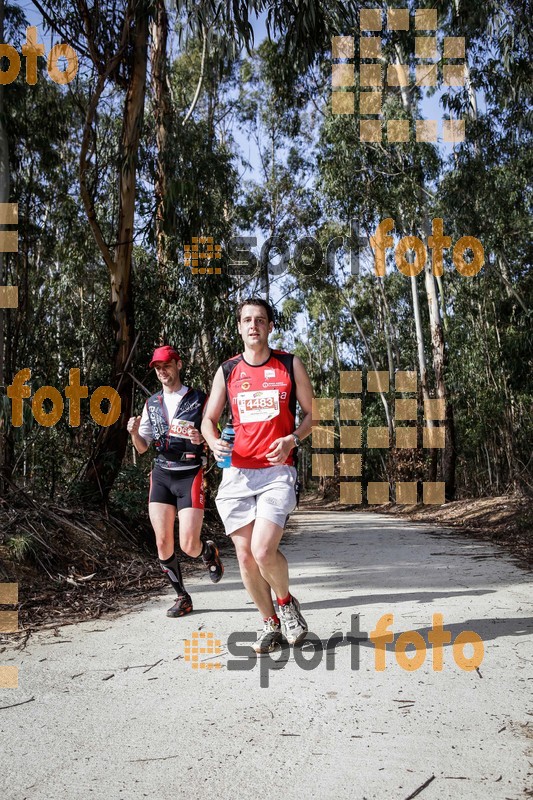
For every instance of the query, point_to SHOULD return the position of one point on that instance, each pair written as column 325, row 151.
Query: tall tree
column 114, row 36
column 4, row 198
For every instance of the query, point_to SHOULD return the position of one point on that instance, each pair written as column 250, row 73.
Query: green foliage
column 314, row 176
column 21, row 547
column 130, row 493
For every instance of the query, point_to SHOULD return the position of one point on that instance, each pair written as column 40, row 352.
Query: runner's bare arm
column 133, row 429
column 213, row 411
column 280, row 448
column 304, row 395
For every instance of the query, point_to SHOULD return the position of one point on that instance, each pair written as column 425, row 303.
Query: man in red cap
column 171, row 419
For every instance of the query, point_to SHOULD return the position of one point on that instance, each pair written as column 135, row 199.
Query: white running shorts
column 245, row 494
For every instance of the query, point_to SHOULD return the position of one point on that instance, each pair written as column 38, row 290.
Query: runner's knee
column 190, row 543
column 164, row 542
column 264, row 555
column 246, row 559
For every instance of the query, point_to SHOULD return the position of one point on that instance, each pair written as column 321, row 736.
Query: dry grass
column 72, row 564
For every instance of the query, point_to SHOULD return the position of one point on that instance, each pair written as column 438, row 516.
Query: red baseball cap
column 165, row 353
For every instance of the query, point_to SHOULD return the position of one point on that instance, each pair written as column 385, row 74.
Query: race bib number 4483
column 258, row 406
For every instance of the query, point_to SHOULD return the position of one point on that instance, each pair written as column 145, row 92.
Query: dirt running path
column 118, row 711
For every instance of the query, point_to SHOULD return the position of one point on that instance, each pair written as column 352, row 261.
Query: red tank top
column 262, row 400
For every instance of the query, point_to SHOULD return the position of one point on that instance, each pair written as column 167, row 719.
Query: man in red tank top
column 257, row 493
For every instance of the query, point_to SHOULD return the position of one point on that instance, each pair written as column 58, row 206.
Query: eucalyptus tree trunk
column 349, row 306
column 388, row 329
column 437, row 347
column 419, row 340
column 4, row 198
column 162, row 106
column 422, row 365
column 112, row 441
column 437, row 341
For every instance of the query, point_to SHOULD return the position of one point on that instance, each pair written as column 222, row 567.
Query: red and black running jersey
column 262, row 399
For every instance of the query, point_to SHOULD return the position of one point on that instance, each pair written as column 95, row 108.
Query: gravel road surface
column 121, row 707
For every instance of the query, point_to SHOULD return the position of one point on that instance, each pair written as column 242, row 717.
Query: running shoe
column 294, row 625
column 182, row 606
column 269, row 637
column 213, row 562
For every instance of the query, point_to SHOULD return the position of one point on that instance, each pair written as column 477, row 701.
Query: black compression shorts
column 179, row 488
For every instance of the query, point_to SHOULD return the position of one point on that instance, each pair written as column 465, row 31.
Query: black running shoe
column 212, row 561
column 182, row 606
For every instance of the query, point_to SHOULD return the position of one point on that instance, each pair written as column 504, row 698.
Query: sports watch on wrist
column 296, row 440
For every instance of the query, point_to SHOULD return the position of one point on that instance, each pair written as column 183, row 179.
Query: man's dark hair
column 256, row 301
